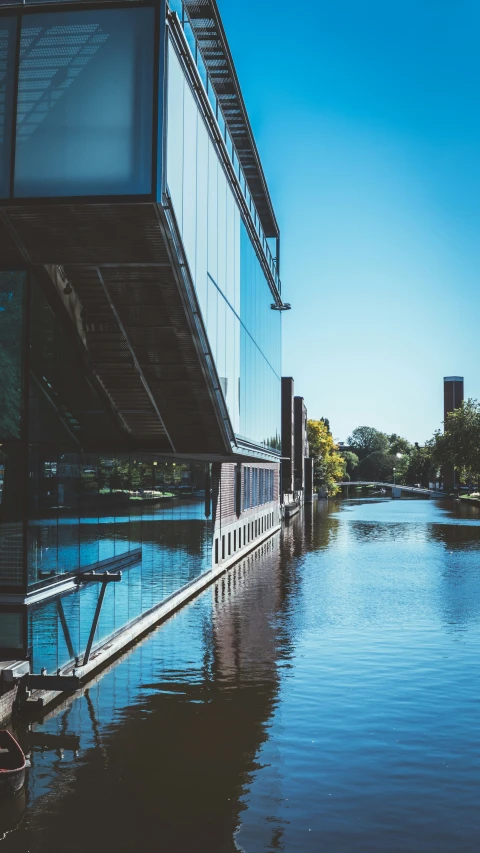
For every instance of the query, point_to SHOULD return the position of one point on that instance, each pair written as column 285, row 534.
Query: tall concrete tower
column 452, row 399
column 452, row 394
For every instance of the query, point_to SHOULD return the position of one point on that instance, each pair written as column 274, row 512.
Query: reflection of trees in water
column 324, row 524
column 456, row 536
column 73, row 545
column 374, row 531
column 450, row 535
column 314, row 529
column 459, row 589
column 189, row 535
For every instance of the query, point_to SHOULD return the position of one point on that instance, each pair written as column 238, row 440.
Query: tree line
column 374, row 455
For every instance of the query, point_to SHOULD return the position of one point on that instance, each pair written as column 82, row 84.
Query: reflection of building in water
column 246, row 638
column 173, row 731
column 140, row 321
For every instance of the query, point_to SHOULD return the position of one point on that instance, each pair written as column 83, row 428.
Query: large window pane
column 190, row 118
column 11, row 326
column 11, row 630
column 176, row 86
column 243, row 332
column 85, row 96
column 7, row 71
column 12, row 511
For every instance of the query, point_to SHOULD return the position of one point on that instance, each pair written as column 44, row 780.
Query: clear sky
column 367, row 119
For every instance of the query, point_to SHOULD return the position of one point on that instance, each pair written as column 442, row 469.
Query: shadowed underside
column 138, row 317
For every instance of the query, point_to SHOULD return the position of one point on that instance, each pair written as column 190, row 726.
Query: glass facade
column 85, row 102
column 8, row 38
column 258, row 486
column 235, row 298
column 11, row 630
column 12, row 514
column 81, row 123
column 70, row 508
column 175, row 541
column 12, row 288
column 12, row 454
column 169, row 542
column 268, row 243
column 88, row 508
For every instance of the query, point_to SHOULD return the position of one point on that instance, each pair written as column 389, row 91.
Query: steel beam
column 95, row 622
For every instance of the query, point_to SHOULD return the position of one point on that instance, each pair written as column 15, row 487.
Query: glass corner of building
column 85, row 128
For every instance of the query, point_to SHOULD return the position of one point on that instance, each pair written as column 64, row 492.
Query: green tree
column 460, row 443
column 365, row 440
column 351, row 463
column 420, row 468
column 378, row 467
column 328, row 464
column 399, row 445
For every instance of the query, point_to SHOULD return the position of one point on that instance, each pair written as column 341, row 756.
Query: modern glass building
column 140, row 318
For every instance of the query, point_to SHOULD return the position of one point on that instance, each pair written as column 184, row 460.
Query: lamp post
column 398, row 456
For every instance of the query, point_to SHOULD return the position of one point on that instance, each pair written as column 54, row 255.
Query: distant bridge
column 396, row 489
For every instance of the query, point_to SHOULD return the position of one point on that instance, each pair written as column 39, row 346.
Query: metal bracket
column 105, row 579
column 57, row 682
column 99, row 577
column 66, row 632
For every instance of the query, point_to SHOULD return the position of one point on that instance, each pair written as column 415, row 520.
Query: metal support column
column 95, row 622
column 66, row 632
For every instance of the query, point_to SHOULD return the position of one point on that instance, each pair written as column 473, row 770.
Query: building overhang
column 212, row 41
column 141, row 326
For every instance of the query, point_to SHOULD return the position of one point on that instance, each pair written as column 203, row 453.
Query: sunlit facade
column 140, row 320
column 233, row 292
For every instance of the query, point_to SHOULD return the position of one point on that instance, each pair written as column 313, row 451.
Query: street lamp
column 398, row 456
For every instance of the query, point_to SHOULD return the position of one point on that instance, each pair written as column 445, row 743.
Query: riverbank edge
column 117, row 643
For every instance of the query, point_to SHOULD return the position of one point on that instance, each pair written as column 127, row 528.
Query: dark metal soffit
column 212, row 41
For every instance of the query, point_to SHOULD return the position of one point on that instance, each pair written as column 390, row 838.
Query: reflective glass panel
column 11, row 327
column 85, row 103
column 12, row 513
column 8, row 39
column 152, row 510
column 11, row 630
column 233, row 293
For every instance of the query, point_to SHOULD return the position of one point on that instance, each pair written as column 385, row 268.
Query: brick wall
column 223, row 490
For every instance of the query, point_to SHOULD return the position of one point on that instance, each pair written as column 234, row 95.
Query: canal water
column 323, row 695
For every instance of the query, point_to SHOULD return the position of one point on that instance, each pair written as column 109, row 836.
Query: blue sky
column 367, row 119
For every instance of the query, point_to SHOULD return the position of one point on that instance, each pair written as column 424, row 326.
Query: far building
column 452, row 399
column 297, row 467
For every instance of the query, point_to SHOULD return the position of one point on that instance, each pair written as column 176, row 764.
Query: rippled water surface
column 324, row 695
